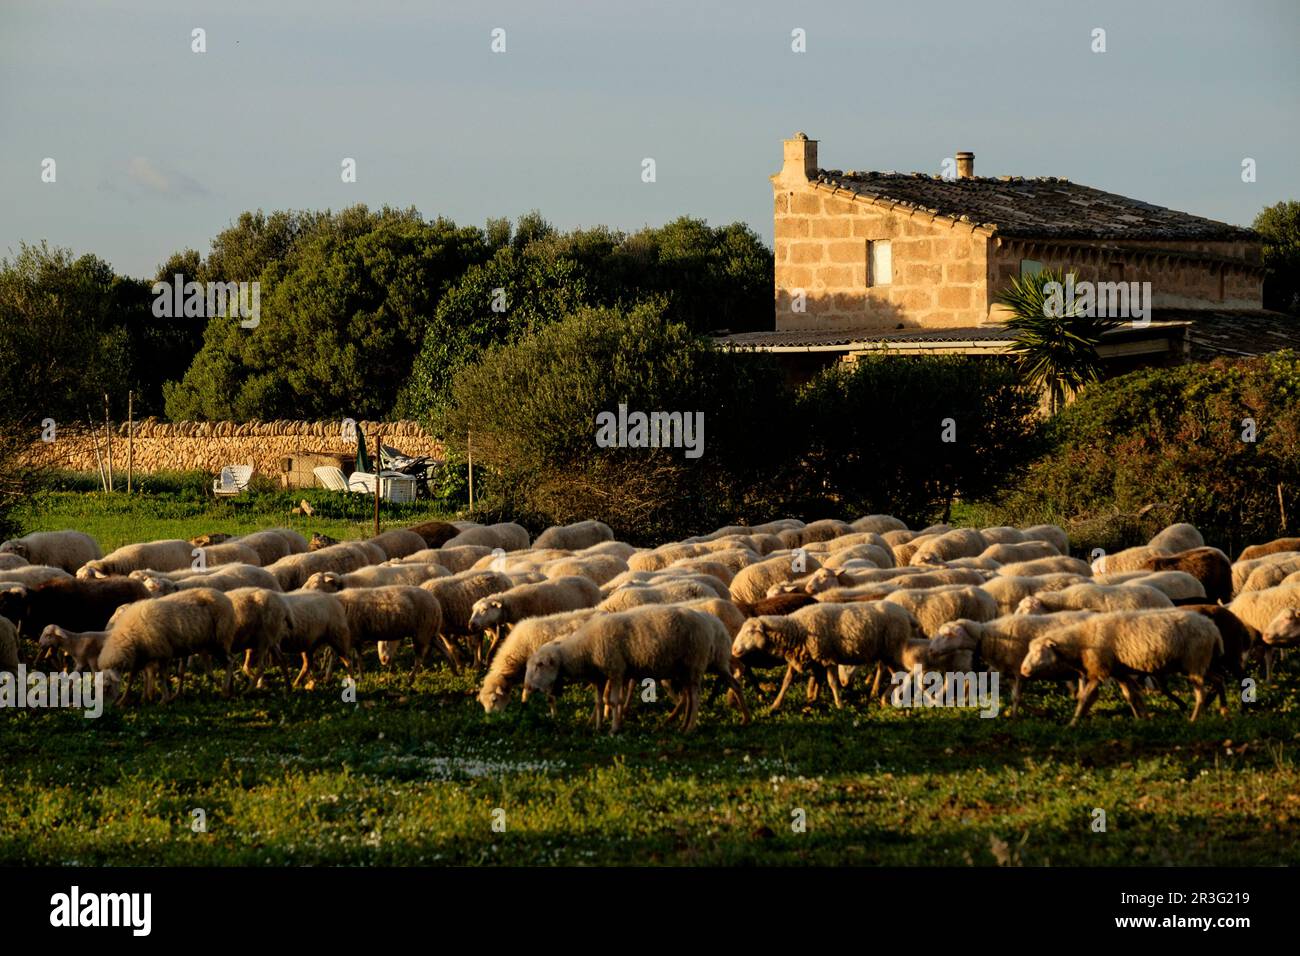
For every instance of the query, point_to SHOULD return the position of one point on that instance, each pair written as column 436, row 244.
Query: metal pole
column 108, row 440
column 378, row 473
column 469, row 451
column 130, row 438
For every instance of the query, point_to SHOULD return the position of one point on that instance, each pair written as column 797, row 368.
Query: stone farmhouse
column 912, row 263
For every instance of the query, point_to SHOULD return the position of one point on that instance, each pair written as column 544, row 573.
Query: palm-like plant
column 1055, row 342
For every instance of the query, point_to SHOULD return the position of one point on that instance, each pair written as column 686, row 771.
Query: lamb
column 435, row 533
column 261, row 621
column 1040, row 566
column 77, row 605
column 374, row 576
column 66, row 550
column 533, row 600
column 147, row 635
column 828, row 635
column 1094, row 597
column 33, row 575
column 8, row 647
column 83, row 647
column 753, row 582
column 1015, row 552
column 662, row 643
column 1010, row 591
column 934, row 607
column 392, row 612
column 880, row 524
column 1129, row 643
column 398, row 543
column 510, row 661
column 1002, row 643
column 1273, row 547
column 663, row 591
column 1176, row 538
column 226, row 577
column 507, row 536
column 454, row 560
column 574, row 537
column 167, row 555
column 315, row 619
column 958, row 543
column 1210, row 566
column 1130, row 559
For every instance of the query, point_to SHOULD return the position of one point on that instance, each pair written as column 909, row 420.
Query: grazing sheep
column 226, row 577
column 230, row 552
column 934, row 607
column 458, row 595
column 851, row 540
column 315, row 620
column 822, row 530
column 374, row 576
column 454, row 560
column 510, row 662
column 147, row 635
column 958, row 543
column 777, row 526
column 732, row 617
column 168, row 555
column 1130, row 559
column 398, row 543
column 519, row 560
column 1284, row 629
column 1178, row 585
column 979, row 564
column 1002, row 643
column 785, row 603
column 617, row 549
column 10, row 561
column 393, row 612
column 271, row 544
column 662, row 591
column 1238, row 641
column 1094, row 597
column 1010, row 591
column 1129, row 643
column 82, row 646
column 896, row 538
column 33, row 575
column 661, row 643
column 261, row 621
column 875, row 590
column 294, row 569
column 1176, row 538
column 753, row 582
column 507, row 536
column 67, row 550
column 435, row 533
column 76, row 605
column 1242, row 570
column 1040, row 566
column 879, row 524
column 574, row 537
column 878, row 556
column 1052, row 534
column 1257, row 609
column 1210, row 566
column 1014, row 552
column 1004, row 534
column 8, row 647
column 1270, row 575
column 660, row 558
column 533, row 600
column 707, row 566
column 827, row 635
column 1273, row 547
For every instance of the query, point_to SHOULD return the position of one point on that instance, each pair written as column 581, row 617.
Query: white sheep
column 822, row 530
column 167, row 555
column 1040, row 566
column 1010, row 591
column 1095, row 597
column 1243, row 568
column 397, row 543
column 707, row 566
column 390, row 613
column 1052, row 534
column 880, row 524
column 261, row 620
column 618, row 549
column 32, row 575
column 574, row 537
column 67, row 550
column 957, row 543
column 934, row 607
column 1270, row 575
column 1176, row 538
column 507, row 536
column 668, row 590
column 1257, row 609
column 225, row 577
column 82, row 646
column 1177, row 585
column 1014, row 552
column 1127, row 643
column 753, row 582
column 533, row 600
column 510, row 662
column 457, row 596
column 1130, row 559
column 293, row 570
column 315, row 620
column 454, row 560
column 374, row 576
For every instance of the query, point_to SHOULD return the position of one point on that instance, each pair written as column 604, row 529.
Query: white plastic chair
column 233, row 480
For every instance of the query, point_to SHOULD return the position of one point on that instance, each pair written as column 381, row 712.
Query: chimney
column 800, row 160
column 965, row 165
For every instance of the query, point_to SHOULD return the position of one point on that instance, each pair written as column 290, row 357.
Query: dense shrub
column 1161, row 445
column 876, row 434
column 531, row 408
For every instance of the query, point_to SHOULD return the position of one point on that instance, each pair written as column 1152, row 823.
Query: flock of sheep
column 826, row 601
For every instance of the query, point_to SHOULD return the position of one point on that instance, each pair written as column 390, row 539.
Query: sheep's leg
column 737, row 692
column 810, row 695
column 302, row 672
column 833, row 679
column 1087, row 694
column 126, row 688
column 1163, row 687
column 1016, row 686
column 1133, row 694
column 877, row 681
column 1198, row 688
column 692, row 694
column 681, row 698
column 785, row 686
column 615, row 689
column 599, row 693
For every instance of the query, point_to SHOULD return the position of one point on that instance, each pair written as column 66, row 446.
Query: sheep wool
column 752, row 583
column 534, row 600
column 168, row 555
column 1095, row 597
column 1177, row 537
column 66, row 550
column 508, row 664
column 1257, row 609
column 934, row 607
column 574, row 537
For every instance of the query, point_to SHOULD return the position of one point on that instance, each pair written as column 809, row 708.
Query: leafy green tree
column 1280, row 226
column 1055, row 341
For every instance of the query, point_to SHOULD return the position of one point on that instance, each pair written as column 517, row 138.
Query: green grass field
column 414, row 773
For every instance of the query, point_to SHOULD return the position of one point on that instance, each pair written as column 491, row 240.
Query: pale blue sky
column 159, row 148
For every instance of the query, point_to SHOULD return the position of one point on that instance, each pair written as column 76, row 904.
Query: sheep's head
column 1284, row 629
column 543, row 670
column 1040, row 658
column 931, row 559
column 488, row 612
column 493, row 697
column 327, row 581
column 386, row 651
column 157, row 584
column 1099, row 566
column 91, row 570
column 845, row 673
column 112, row 683
column 16, row 547
column 754, row 635
column 1032, row 604
column 786, row 588
column 823, row 579
column 953, row 636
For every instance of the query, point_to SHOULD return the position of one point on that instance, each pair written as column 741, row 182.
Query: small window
column 1030, row 267
column 880, row 265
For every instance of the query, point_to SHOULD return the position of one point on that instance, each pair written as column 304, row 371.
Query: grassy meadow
column 413, row 773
